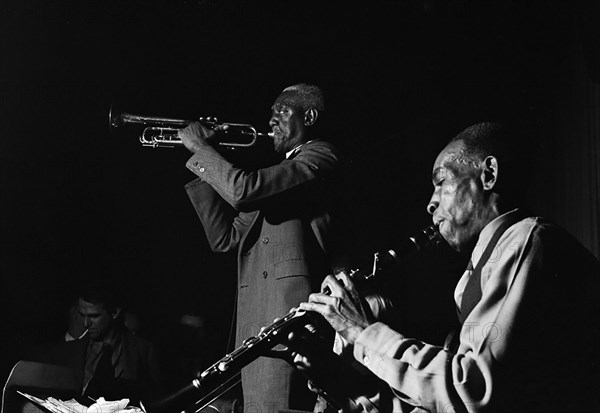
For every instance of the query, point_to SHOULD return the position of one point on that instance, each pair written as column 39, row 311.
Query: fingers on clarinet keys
column 297, row 335
column 301, row 362
column 343, row 278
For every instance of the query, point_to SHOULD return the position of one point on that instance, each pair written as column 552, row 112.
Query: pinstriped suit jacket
column 277, row 219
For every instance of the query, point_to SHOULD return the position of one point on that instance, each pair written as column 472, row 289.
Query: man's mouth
column 438, row 223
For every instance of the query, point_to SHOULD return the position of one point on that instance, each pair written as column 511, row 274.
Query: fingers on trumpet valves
column 208, row 120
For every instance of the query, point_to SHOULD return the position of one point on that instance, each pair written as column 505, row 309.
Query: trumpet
column 162, row 132
column 223, row 375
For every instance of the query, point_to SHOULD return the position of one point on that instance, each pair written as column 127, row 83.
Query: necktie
column 104, row 368
column 471, row 294
column 452, row 339
column 98, row 369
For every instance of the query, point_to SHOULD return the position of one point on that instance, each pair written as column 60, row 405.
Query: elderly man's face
column 287, row 123
column 96, row 319
column 458, row 202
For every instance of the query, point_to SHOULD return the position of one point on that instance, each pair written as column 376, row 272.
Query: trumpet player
column 529, row 334
column 277, row 219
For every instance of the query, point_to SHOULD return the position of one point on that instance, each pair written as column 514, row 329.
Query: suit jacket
column 277, row 219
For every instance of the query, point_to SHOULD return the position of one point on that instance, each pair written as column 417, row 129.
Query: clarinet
column 221, row 376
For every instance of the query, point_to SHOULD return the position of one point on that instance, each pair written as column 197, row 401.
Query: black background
column 401, row 77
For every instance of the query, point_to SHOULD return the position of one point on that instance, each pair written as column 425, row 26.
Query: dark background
column 402, row 78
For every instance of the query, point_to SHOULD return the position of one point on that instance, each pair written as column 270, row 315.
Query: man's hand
column 298, row 343
column 344, row 309
column 195, row 136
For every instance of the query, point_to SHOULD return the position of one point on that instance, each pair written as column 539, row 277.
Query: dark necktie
column 104, row 368
column 99, row 370
column 471, row 294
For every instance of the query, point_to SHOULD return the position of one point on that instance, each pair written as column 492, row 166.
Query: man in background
column 113, row 362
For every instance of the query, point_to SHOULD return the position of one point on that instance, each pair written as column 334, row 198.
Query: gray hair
column 305, row 96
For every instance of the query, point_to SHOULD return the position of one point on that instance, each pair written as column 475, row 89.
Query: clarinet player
column 527, row 303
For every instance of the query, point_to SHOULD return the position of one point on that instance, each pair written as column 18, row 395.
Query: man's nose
column 272, row 121
column 432, row 205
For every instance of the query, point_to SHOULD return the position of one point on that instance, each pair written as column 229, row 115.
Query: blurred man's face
column 75, row 327
column 287, row 123
column 458, row 203
column 96, row 319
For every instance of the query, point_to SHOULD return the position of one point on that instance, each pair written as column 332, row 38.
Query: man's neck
column 493, row 210
column 485, row 215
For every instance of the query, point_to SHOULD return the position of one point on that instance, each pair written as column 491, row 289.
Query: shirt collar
column 486, row 235
column 292, row 152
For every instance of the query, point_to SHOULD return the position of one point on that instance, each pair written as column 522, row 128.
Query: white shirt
column 295, row 149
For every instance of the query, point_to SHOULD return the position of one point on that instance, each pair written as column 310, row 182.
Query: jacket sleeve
column 437, row 379
column 224, row 227
column 241, row 188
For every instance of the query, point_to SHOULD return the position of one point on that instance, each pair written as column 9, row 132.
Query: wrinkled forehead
column 446, row 161
column 450, row 152
column 289, row 98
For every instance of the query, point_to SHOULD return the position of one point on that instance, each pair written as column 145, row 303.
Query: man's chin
column 94, row 336
column 461, row 245
column 454, row 245
column 279, row 149
column 276, row 144
column 452, row 241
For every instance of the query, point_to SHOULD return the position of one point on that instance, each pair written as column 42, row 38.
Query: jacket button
column 265, row 274
column 201, row 170
column 265, row 240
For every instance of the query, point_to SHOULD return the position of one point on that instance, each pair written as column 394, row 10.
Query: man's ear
column 116, row 313
column 310, row 116
column 489, row 173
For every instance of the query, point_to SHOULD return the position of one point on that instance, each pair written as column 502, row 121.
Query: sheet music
column 73, row 406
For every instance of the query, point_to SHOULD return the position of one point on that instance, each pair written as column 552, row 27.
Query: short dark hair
column 503, row 141
column 305, row 96
column 101, row 291
column 483, row 139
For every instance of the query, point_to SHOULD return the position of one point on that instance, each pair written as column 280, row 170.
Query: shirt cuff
column 373, row 344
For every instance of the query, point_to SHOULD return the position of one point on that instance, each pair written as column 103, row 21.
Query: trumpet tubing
column 160, row 132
